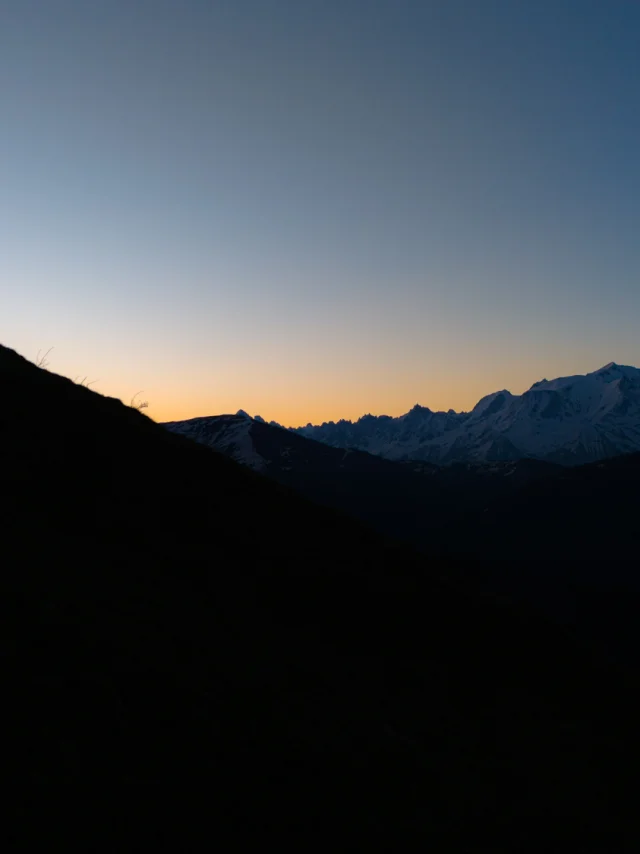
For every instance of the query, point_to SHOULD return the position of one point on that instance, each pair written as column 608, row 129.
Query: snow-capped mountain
column 228, row 434
column 570, row 420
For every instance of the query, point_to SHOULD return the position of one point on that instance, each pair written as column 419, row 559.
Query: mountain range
column 409, row 500
column 568, row 420
column 429, row 505
column 424, row 476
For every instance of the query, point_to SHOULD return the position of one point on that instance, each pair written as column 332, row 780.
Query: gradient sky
column 313, row 209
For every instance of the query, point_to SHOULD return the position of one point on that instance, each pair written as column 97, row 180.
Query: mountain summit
column 569, row 420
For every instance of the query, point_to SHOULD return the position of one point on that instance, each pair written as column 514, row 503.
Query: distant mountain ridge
column 568, row 420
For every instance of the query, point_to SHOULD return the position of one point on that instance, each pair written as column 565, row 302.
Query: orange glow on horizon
column 294, row 393
column 314, row 411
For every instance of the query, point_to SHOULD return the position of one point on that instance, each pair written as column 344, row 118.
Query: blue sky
column 314, row 209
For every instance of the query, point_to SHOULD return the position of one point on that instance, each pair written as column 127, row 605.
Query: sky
column 315, row 209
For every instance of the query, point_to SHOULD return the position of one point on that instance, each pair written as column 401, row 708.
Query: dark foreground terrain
column 170, row 616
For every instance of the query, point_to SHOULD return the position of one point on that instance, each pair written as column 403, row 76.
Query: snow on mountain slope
column 228, row 434
column 570, row 420
column 386, row 436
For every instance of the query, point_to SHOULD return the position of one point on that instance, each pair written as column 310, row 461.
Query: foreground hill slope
column 167, row 614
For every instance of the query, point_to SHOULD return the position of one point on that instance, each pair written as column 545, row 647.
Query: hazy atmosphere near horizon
column 314, row 209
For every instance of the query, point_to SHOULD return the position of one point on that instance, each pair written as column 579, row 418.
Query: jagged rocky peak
column 419, row 410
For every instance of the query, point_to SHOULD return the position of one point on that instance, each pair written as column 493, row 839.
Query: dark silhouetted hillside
column 569, row 543
column 170, row 616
